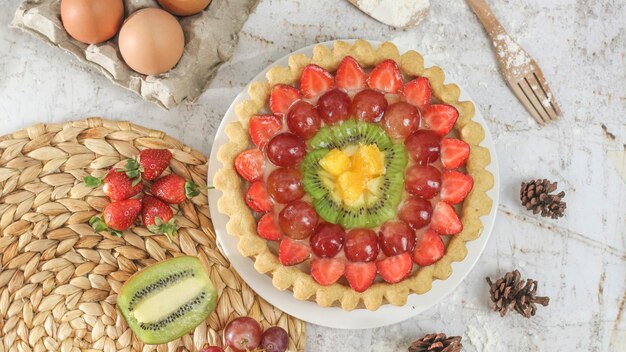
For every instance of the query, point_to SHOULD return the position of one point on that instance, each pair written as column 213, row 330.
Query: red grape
column 361, row 245
column 401, row 119
column 334, row 106
column 369, row 105
column 275, row 339
column 416, row 211
column 286, row 149
column 423, row 181
column 396, row 237
column 423, row 146
column 327, row 240
column 243, row 334
column 298, row 219
column 285, row 185
column 211, row 349
column 303, row 119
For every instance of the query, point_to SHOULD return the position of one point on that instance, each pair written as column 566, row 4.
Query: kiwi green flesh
column 396, row 159
column 311, row 179
column 167, row 300
column 350, row 132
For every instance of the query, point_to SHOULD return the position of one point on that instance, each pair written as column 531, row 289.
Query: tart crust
column 243, row 225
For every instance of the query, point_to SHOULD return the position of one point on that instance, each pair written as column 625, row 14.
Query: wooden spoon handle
column 486, row 17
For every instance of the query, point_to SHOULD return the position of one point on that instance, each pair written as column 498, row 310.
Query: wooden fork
column 520, row 71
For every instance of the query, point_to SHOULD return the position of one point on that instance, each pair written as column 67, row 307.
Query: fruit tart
column 354, row 177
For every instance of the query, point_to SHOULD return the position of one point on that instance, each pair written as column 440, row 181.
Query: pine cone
column 437, row 343
column 535, row 196
column 510, row 292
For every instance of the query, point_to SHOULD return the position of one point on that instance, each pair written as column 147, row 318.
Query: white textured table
column 579, row 260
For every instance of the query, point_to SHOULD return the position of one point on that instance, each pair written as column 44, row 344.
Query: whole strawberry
column 157, row 217
column 174, row 189
column 117, row 185
column 117, row 216
column 149, row 164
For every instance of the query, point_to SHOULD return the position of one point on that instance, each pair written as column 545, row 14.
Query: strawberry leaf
column 98, row 224
column 191, row 189
column 91, row 181
column 169, row 229
column 133, row 170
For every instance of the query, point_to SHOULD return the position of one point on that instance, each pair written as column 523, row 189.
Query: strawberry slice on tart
column 454, row 153
column 440, row 118
column 268, row 228
column 350, row 75
column 263, row 127
column 418, row 93
column 258, row 199
column 250, row 164
column 429, row 249
column 386, row 77
column 282, row 97
column 315, row 81
column 445, row 220
column 360, row 275
column 455, row 186
column 395, row 269
column 291, row 252
column 326, row 271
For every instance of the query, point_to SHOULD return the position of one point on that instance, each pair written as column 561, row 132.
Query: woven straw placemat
column 59, row 279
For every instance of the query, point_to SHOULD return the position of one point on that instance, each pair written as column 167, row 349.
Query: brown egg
column 92, row 21
column 151, row 41
column 184, row 7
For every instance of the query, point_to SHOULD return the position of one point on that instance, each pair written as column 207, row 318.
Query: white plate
column 336, row 317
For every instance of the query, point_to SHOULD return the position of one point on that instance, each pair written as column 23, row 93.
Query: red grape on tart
column 355, row 177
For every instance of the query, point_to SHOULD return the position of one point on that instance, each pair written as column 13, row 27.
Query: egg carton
column 210, row 40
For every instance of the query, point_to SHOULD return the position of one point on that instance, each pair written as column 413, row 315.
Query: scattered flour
column 482, row 337
column 546, row 101
column 396, row 13
column 515, row 58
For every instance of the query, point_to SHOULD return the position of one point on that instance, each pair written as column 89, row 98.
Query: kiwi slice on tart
column 313, row 180
column 350, row 132
column 167, row 300
column 396, row 159
column 323, row 139
column 354, row 217
column 374, row 134
column 328, row 208
column 368, row 196
column 384, row 208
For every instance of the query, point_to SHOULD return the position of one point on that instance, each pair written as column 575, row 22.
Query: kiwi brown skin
column 179, row 323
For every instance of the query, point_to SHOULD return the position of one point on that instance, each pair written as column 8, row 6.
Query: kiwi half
column 384, row 193
column 167, row 300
